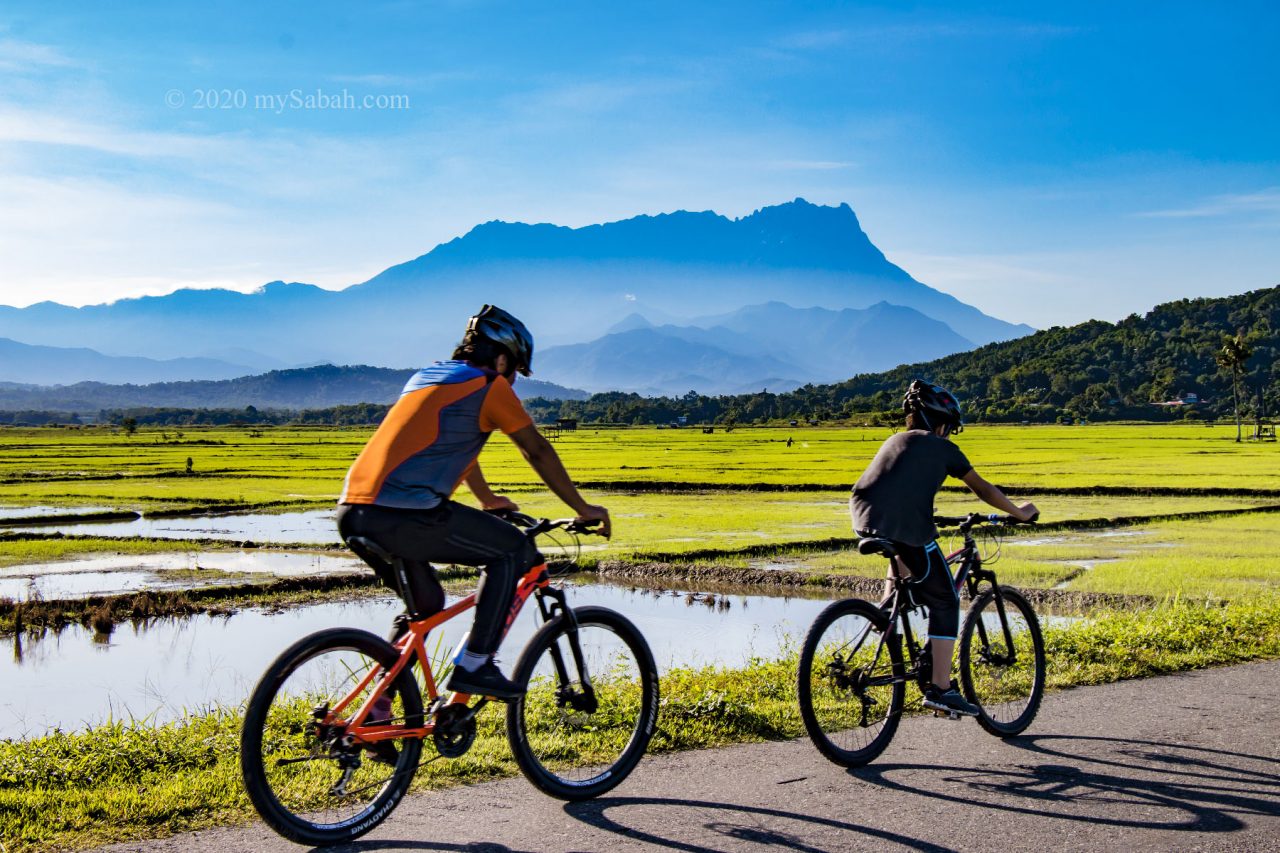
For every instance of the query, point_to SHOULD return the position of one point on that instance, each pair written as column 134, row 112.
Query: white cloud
column 1265, row 201
column 24, row 56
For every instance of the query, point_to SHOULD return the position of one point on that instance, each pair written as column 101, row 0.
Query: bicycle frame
column 413, row 645
column 970, row 574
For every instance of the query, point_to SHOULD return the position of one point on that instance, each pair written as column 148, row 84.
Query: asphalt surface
column 1183, row 762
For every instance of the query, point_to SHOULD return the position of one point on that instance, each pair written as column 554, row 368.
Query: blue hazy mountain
column 569, row 284
column 770, row 345
column 302, row 388
column 43, row 365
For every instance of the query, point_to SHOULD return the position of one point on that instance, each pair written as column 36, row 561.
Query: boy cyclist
column 893, row 499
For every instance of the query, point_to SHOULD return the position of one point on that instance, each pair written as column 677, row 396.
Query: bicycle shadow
column 755, row 824
column 441, row 847
column 1138, row 784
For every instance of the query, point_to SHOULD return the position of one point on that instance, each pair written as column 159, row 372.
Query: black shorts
column 931, row 584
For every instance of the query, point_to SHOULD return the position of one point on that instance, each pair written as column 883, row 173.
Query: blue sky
column 1046, row 162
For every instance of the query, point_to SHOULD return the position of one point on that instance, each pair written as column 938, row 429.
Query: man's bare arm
column 996, row 498
column 479, row 486
column 542, row 457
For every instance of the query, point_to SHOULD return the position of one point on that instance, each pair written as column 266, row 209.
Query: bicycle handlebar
column 537, row 526
column 966, row 522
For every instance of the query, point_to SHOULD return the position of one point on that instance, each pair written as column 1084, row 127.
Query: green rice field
column 1174, row 522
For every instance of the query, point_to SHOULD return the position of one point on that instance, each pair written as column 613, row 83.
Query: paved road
column 1179, row 762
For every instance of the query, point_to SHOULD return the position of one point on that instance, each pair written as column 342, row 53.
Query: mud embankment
column 731, row 579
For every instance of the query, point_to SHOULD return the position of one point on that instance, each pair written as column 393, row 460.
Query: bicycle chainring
column 455, row 730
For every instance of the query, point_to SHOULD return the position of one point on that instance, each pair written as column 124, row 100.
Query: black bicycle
column 853, row 678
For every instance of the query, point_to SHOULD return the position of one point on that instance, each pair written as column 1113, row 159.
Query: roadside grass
column 131, row 780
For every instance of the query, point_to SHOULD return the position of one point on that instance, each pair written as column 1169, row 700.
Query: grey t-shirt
column 894, row 497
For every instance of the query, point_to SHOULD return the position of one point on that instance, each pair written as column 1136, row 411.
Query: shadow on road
column 391, row 844
column 732, row 822
column 1113, row 781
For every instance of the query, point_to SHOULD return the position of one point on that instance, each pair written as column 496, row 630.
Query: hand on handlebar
column 500, row 503
column 1027, row 512
column 593, row 515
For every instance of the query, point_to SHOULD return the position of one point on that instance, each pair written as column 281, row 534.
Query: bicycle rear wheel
column 308, row 784
column 1005, row 681
column 850, row 700
column 590, row 706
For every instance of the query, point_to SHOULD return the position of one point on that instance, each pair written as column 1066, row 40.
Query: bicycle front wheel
column 590, row 704
column 1003, row 673
column 851, row 687
column 305, row 780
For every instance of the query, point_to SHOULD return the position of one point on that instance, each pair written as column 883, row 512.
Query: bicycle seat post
column 399, row 572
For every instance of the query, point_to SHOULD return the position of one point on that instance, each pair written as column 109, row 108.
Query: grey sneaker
column 949, row 701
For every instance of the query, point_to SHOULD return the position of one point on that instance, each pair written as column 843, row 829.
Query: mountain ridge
column 557, row 279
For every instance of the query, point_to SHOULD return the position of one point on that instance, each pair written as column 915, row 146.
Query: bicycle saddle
column 363, row 543
column 873, row 545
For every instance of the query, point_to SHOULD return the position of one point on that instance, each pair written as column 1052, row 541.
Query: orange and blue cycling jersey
column 432, row 436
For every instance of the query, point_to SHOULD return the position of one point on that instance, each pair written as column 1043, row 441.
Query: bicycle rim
column 305, row 782
column 1006, row 683
column 575, row 742
column 850, row 699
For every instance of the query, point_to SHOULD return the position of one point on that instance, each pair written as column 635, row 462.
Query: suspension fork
column 974, row 577
column 550, row 610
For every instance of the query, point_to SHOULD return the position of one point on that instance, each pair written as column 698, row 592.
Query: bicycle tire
column 1022, row 685
column 265, row 780
column 831, row 709
column 541, row 741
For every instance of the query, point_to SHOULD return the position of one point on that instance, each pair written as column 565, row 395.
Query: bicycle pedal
column 950, row 715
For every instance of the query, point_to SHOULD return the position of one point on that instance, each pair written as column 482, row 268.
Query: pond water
column 160, row 670
column 117, row 573
column 311, row 527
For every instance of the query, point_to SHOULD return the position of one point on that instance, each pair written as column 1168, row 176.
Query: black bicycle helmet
column 502, row 328
column 934, row 404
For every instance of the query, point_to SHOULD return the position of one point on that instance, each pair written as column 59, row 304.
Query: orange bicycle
column 333, row 732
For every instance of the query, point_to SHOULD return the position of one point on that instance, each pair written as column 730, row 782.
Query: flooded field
column 22, row 512
column 311, row 527
column 116, row 573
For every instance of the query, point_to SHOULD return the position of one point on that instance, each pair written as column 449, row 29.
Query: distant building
column 567, row 424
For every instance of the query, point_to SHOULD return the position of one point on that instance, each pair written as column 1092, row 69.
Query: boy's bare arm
column 996, row 498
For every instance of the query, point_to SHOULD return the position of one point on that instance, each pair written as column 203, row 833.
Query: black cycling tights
column 931, row 584
column 449, row 533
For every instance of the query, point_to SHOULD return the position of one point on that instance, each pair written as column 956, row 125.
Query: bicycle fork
column 584, row 699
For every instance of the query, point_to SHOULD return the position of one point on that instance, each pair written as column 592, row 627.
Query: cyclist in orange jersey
column 398, row 491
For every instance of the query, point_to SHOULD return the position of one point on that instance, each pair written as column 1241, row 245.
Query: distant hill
column 771, row 345
column 1095, row 370
column 568, row 284
column 43, row 365
column 303, row 388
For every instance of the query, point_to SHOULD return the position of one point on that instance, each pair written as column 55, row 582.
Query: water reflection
column 161, row 668
column 310, row 527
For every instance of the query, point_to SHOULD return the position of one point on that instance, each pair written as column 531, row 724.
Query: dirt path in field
column 1179, row 762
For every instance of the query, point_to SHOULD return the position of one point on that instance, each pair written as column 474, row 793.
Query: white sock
column 470, row 661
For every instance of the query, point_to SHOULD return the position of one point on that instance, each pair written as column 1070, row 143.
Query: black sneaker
column 949, row 700
column 488, row 680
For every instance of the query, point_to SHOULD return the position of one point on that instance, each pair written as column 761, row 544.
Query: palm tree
column 1234, row 353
